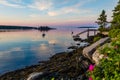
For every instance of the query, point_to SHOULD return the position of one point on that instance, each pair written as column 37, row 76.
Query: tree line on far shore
column 41, row 28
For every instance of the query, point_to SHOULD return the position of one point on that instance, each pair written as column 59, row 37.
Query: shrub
column 114, row 33
column 96, row 38
column 109, row 67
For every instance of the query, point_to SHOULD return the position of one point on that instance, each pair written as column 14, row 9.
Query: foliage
column 109, row 67
column 116, row 17
column 114, row 33
column 102, row 21
column 96, row 38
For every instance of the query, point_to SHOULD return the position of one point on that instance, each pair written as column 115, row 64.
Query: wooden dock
column 88, row 31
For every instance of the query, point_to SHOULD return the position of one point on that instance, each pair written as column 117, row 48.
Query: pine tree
column 102, row 21
column 116, row 17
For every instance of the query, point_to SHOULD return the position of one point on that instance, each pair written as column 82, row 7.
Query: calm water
column 23, row 48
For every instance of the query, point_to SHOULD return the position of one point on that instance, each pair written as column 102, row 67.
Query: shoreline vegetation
column 66, row 65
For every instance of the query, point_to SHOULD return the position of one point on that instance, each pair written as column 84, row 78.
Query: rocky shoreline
column 65, row 65
column 69, row 65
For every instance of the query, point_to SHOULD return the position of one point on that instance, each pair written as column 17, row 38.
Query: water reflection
column 53, row 42
column 22, row 48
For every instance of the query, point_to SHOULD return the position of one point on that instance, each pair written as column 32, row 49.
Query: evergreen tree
column 116, row 17
column 102, row 21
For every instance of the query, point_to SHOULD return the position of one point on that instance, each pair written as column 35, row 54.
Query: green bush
column 114, row 33
column 109, row 67
column 96, row 38
column 102, row 29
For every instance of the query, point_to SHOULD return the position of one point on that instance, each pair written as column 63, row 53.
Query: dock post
column 88, row 33
column 94, row 32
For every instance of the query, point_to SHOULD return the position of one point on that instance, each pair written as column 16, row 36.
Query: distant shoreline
column 41, row 28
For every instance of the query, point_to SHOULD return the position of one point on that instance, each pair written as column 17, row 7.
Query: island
column 10, row 27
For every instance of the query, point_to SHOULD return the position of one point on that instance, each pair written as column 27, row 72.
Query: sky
column 54, row 12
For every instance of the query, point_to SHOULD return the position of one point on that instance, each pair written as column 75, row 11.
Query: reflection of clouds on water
column 43, row 47
column 60, row 46
column 10, row 55
column 53, row 42
column 31, row 35
column 46, row 49
column 16, row 49
column 6, row 53
column 36, row 38
column 33, row 47
column 43, row 51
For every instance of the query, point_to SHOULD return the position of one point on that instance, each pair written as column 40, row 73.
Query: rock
column 88, row 51
column 77, row 39
column 84, row 44
column 97, row 57
column 82, row 77
column 72, row 47
column 34, row 76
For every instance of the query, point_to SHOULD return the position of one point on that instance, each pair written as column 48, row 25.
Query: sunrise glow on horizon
column 54, row 12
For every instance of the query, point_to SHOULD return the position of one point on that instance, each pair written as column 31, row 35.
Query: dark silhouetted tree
column 116, row 17
column 102, row 21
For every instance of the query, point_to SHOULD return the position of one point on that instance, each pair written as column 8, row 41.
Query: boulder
column 88, row 51
column 34, row 76
column 96, row 57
